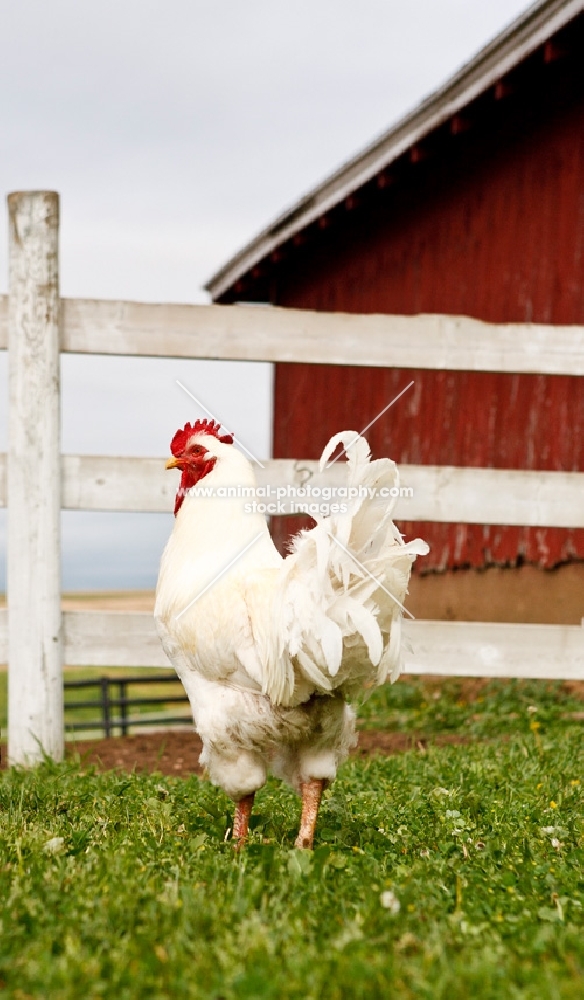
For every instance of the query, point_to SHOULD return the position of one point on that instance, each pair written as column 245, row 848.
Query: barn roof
column 534, row 29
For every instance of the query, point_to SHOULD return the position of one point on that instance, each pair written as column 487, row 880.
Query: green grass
column 437, row 705
column 481, row 845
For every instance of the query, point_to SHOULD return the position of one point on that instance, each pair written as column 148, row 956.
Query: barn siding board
column 494, row 232
column 490, row 225
column 447, row 418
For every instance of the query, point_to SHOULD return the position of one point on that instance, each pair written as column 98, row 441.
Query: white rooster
column 269, row 649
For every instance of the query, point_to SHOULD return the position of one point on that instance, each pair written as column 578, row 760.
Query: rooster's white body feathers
column 268, row 648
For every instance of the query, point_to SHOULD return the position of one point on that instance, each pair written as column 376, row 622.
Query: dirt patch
column 177, row 753
column 372, row 741
column 168, row 752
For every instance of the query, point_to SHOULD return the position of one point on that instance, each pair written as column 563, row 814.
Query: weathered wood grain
column 259, row 333
column 477, row 649
column 112, row 639
column 439, row 493
column 35, row 690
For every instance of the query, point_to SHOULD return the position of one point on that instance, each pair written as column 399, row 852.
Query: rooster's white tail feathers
column 340, row 597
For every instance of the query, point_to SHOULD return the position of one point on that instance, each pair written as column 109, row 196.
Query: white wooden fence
column 36, row 481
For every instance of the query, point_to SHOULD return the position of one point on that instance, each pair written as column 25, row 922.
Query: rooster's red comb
column 181, row 438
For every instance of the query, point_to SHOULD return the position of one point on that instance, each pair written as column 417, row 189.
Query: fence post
column 124, row 707
column 105, row 707
column 35, row 676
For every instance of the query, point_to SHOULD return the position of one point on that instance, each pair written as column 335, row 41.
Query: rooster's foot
column 311, row 796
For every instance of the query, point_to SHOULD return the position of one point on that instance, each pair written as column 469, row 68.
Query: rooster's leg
column 311, row 796
column 241, row 819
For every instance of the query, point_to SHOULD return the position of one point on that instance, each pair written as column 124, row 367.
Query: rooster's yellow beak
column 173, row 463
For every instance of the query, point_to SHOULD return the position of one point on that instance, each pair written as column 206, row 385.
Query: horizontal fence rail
column 463, row 649
column 440, row 493
column 496, row 649
column 111, row 639
column 269, row 333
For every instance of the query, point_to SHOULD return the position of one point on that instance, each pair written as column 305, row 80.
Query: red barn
column 473, row 204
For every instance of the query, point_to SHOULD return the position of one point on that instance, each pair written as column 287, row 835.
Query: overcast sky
column 174, row 132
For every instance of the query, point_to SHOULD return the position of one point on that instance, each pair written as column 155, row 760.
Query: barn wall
column 491, row 225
